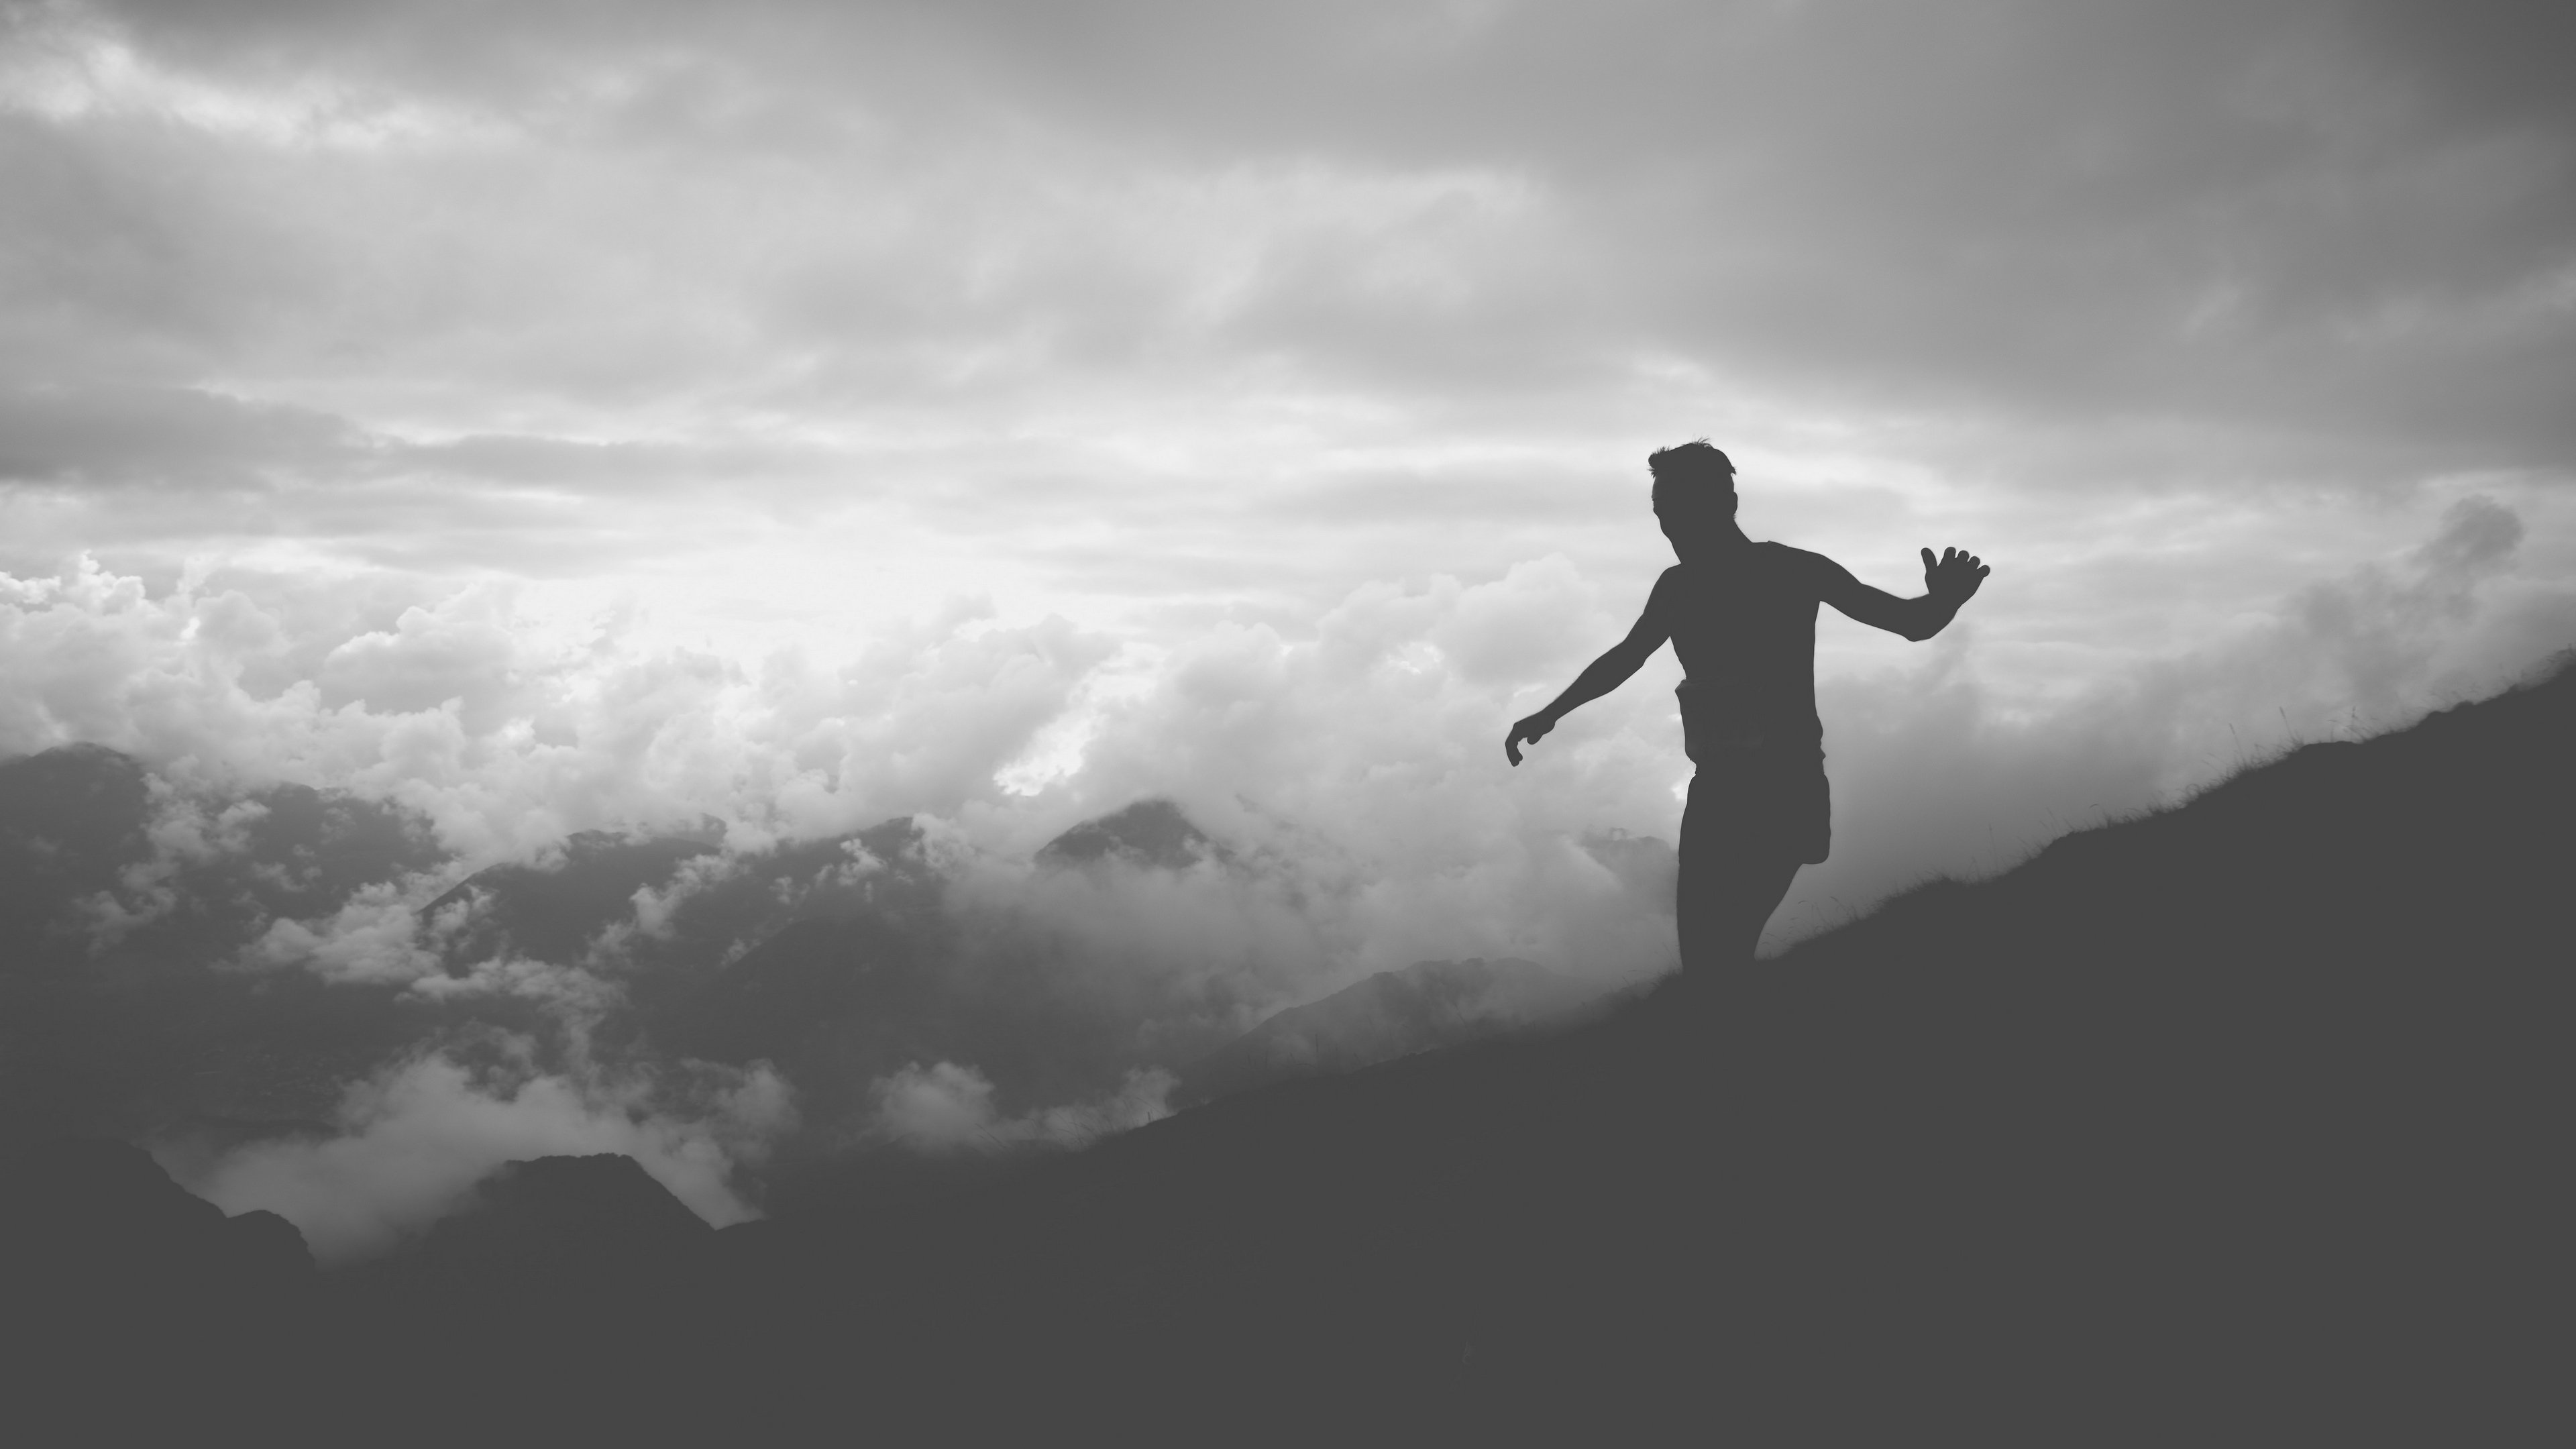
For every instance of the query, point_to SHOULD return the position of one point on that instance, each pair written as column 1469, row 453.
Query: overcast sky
column 570, row 415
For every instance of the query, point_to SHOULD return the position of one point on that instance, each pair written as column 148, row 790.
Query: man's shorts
column 1759, row 802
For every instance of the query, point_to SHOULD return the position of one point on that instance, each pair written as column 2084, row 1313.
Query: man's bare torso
column 1745, row 631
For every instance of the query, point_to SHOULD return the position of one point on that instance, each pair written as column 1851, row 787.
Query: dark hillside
column 2240, row 1122
column 2233, row 1121
column 1392, row 1014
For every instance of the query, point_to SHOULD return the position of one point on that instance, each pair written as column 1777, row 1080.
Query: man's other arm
column 1948, row 583
column 1602, row 675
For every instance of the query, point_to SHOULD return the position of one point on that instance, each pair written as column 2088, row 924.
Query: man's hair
column 1689, row 470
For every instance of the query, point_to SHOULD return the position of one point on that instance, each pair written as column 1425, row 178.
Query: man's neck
column 1721, row 548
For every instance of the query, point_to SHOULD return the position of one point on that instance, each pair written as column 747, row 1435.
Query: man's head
column 1694, row 494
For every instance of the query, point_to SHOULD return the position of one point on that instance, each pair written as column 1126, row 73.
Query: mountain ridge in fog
column 240, row 974
column 2235, row 1113
column 1152, row 833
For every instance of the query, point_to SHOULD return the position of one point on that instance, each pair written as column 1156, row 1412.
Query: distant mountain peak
column 551, row 1208
column 1152, row 833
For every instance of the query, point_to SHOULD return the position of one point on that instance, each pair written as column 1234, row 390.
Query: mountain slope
column 1425, row 1006
column 2240, row 1113
column 2240, row 1121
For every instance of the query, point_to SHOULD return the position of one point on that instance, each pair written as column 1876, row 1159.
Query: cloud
column 809, row 317
column 121, row 436
column 1355, row 764
column 947, row 1107
column 375, row 937
column 181, row 831
column 892, row 237
column 568, row 989
column 384, row 935
column 464, row 652
column 510, row 731
column 414, row 1138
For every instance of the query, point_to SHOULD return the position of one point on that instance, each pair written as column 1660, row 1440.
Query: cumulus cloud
column 509, row 731
column 413, row 1140
column 374, row 937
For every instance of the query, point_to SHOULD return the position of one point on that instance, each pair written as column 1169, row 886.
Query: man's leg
column 1734, row 874
column 1721, row 907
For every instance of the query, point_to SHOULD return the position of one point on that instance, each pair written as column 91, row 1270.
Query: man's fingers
column 1528, row 730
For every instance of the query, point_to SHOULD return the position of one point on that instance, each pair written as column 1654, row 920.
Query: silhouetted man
column 1742, row 616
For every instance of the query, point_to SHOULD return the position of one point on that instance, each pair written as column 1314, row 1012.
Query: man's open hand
column 1955, row 577
column 1528, row 731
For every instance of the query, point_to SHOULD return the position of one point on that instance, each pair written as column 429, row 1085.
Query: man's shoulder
column 1805, row 565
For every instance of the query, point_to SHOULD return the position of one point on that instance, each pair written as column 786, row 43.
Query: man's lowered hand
column 1527, row 731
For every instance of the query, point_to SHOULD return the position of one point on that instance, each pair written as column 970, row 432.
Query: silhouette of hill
column 127, row 1304
column 116, row 907
column 1423, row 1007
column 2238, row 1120
column 560, row 1218
column 91, row 1214
column 82, row 877
column 2228, row 1114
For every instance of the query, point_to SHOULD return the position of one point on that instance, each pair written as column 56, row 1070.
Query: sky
column 616, row 416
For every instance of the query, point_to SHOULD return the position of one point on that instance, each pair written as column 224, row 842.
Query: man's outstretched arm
column 1598, row 678
column 1947, row 583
